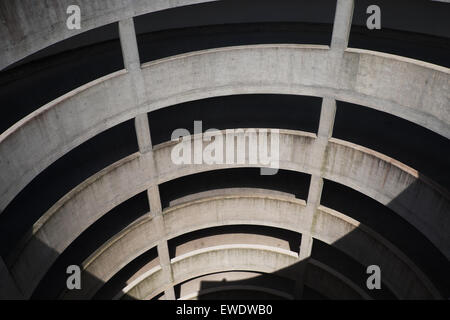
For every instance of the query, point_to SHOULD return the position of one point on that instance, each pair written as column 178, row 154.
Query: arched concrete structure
column 28, row 23
column 413, row 90
column 221, row 258
column 96, row 196
column 196, row 288
column 381, row 81
column 332, row 284
column 275, row 293
column 331, row 227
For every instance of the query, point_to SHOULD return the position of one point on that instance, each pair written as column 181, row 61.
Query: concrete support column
column 132, row 63
column 128, row 43
column 162, row 247
column 342, row 24
column 8, row 287
column 164, row 260
column 326, row 124
column 339, row 41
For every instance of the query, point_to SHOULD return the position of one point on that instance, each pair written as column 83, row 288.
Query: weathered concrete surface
column 29, row 26
column 96, row 196
column 115, row 184
column 342, row 24
column 409, row 89
column 366, row 246
column 235, row 280
column 225, row 192
column 330, row 227
column 414, row 197
column 234, row 257
column 180, row 222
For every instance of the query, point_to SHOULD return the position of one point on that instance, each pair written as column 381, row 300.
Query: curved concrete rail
column 276, row 293
column 328, row 286
column 410, row 89
column 239, row 280
column 100, row 266
column 330, row 227
column 315, row 270
column 29, row 26
column 222, row 258
column 95, row 197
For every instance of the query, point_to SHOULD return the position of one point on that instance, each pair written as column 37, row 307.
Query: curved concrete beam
column 285, row 213
column 29, row 26
column 276, row 293
column 370, row 173
column 407, row 88
column 417, row 199
column 322, row 278
column 222, row 258
column 239, row 280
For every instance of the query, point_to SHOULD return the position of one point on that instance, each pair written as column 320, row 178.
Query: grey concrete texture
column 330, row 227
column 260, row 258
column 29, row 26
column 409, row 89
column 92, row 199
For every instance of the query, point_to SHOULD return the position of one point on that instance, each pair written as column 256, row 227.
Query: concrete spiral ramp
column 87, row 178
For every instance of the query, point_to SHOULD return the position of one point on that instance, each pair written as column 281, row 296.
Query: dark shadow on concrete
column 46, row 75
column 288, row 286
column 333, row 256
column 416, row 29
column 69, row 64
column 90, row 240
column 400, row 139
column 392, row 227
column 62, row 176
column 222, row 290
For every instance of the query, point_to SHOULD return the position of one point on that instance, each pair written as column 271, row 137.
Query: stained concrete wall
column 241, row 257
column 96, row 196
column 355, row 77
column 241, row 280
column 412, row 90
column 30, row 26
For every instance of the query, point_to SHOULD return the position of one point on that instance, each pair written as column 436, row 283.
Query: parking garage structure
column 87, row 179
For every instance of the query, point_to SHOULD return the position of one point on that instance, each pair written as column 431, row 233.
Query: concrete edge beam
column 224, row 258
column 330, row 229
column 100, row 194
column 413, row 91
column 27, row 32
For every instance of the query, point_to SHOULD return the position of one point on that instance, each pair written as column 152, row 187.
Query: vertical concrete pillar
column 154, row 200
column 132, row 63
column 128, row 43
column 342, row 24
column 339, row 42
column 327, row 116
